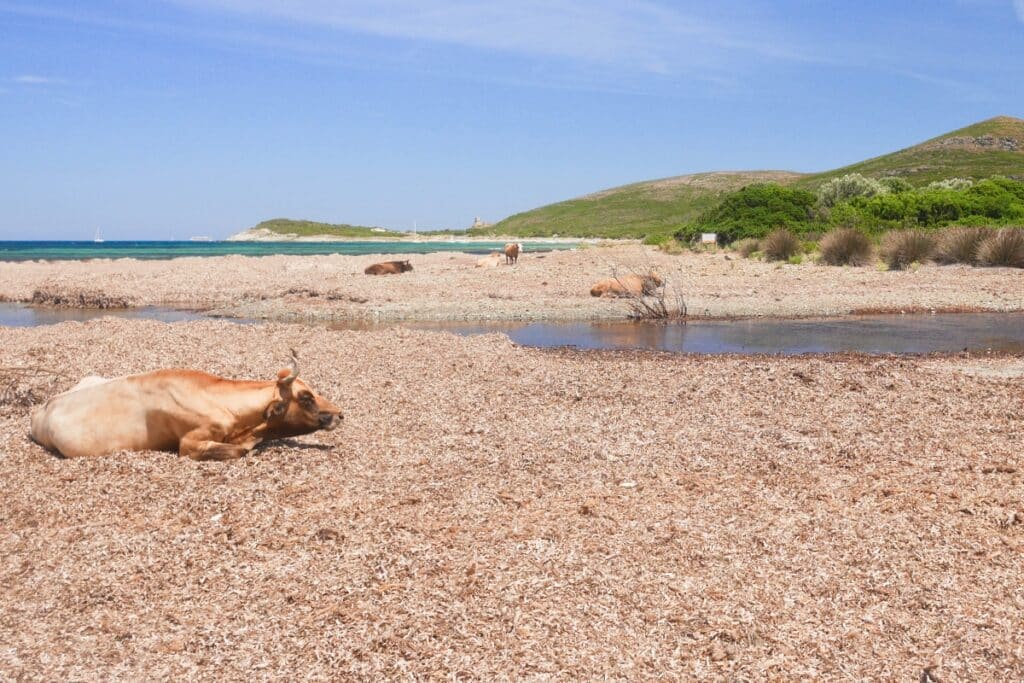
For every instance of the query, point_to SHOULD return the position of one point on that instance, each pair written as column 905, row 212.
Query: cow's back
column 108, row 416
column 623, row 286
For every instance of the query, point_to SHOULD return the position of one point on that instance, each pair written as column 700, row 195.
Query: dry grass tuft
column 960, row 245
column 674, row 247
column 846, row 247
column 1003, row 247
column 780, row 245
column 746, row 246
column 900, row 248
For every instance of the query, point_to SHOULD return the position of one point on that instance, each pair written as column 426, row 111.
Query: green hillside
column 285, row 226
column 992, row 147
column 633, row 210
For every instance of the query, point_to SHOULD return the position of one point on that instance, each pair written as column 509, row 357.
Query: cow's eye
column 306, row 399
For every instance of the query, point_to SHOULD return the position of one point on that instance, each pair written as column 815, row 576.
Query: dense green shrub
column 847, row 187
column 1003, row 247
column 900, row 248
column 846, row 247
column 780, row 245
column 753, row 211
column 987, row 201
column 960, row 245
column 895, row 184
column 756, row 210
column 997, row 198
column 951, row 184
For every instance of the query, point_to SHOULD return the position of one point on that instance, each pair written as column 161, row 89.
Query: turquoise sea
column 77, row 251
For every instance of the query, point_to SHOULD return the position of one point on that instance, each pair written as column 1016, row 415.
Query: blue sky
column 174, row 118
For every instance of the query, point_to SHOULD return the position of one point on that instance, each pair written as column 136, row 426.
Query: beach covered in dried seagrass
column 551, row 286
column 493, row 512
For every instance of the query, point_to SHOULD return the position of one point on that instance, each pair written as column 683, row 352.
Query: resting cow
column 512, row 250
column 489, row 261
column 627, row 285
column 199, row 415
column 388, row 268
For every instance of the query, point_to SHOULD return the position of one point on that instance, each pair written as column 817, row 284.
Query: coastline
column 263, row 235
column 549, row 286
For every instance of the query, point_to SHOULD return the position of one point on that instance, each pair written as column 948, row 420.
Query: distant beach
column 447, row 284
column 160, row 250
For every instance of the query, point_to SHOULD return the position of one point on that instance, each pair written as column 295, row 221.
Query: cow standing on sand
column 389, row 268
column 512, row 250
column 201, row 416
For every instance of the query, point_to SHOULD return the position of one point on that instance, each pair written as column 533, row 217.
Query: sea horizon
column 80, row 250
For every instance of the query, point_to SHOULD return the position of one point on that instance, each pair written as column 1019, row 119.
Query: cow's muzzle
column 329, row 421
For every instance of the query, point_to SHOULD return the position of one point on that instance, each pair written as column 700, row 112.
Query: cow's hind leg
column 195, row 446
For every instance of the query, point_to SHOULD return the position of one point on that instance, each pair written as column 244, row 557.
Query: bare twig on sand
column 20, row 386
column 658, row 298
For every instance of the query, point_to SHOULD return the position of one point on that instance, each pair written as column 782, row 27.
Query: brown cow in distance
column 198, row 415
column 627, row 285
column 389, row 268
column 512, row 250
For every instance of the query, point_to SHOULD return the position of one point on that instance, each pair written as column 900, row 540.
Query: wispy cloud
column 639, row 35
column 962, row 89
column 32, row 79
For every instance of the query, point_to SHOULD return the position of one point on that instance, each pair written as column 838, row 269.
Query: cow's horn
column 294, row 367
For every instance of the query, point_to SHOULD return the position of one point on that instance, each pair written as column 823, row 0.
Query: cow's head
column 406, row 266
column 297, row 409
column 651, row 282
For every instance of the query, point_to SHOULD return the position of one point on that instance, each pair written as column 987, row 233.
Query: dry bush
column 960, row 245
column 24, row 387
column 662, row 302
column 673, row 247
column 1003, row 247
column 660, row 298
column 846, row 247
column 900, row 248
column 80, row 299
column 747, row 246
column 780, row 245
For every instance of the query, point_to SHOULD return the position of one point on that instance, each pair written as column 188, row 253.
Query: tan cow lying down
column 389, row 268
column 490, row 261
column 627, row 285
column 199, row 415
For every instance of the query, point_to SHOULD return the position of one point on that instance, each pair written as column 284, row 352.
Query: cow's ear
column 276, row 409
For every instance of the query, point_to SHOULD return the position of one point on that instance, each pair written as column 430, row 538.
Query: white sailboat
column 96, row 237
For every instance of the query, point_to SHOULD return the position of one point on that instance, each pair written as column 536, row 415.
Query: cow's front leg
column 199, row 445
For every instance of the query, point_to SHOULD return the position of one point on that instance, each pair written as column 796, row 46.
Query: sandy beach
column 494, row 512
column 543, row 286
